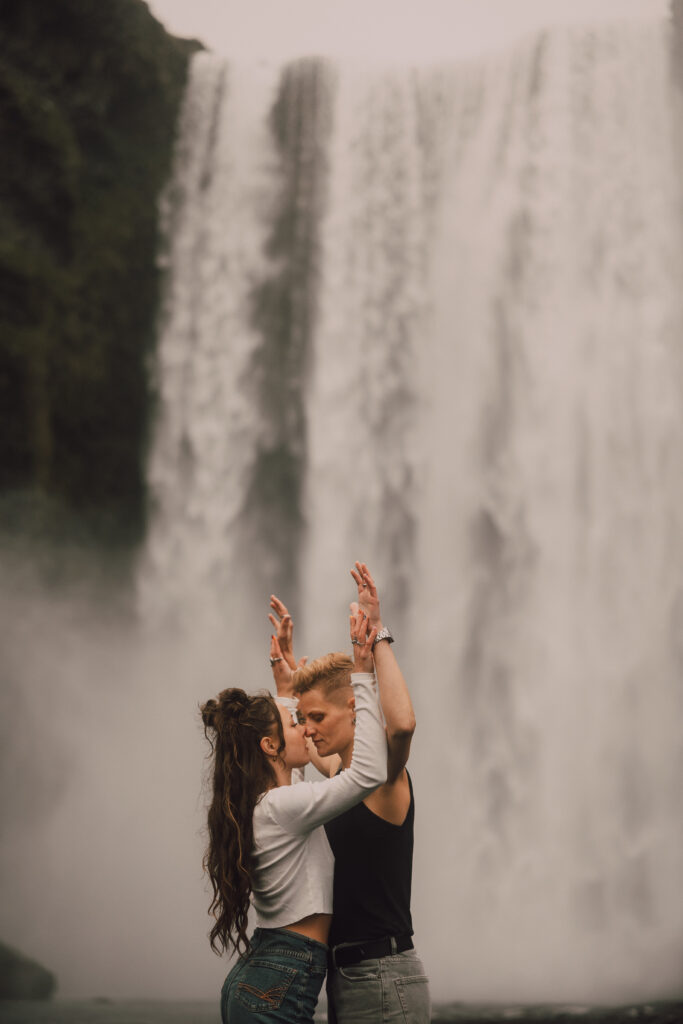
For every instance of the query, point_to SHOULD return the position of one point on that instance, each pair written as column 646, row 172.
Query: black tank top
column 373, row 862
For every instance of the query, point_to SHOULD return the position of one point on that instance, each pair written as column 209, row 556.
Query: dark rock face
column 284, row 312
column 21, row 978
column 676, row 9
column 89, row 95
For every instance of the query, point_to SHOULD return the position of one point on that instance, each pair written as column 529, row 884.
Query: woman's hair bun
column 234, row 701
column 209, row 712
column 229, row 708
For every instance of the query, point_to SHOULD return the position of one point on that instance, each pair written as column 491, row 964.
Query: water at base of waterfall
column 155, row 1012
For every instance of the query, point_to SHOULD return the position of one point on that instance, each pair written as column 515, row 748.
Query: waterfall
column 430, row 317
column 217, row 216
column 551, row 514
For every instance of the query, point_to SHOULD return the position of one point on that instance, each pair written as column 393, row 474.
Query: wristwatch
column 384, row 634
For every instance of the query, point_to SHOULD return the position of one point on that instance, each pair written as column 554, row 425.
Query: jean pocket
column 264, row 984
column 367, row 970
column 413, row 995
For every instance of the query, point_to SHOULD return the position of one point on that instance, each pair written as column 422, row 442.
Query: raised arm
column 393, row 690
column 283, row 664
column 302, row 808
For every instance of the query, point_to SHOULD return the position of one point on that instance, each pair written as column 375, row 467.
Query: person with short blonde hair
column 374, row 973
column 331, row 673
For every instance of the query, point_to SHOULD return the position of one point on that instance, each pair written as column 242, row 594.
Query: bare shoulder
column 392, row 800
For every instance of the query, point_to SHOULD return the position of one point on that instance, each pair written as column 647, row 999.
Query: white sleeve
column 301, row 808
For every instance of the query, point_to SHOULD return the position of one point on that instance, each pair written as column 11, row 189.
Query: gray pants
column 392, row 990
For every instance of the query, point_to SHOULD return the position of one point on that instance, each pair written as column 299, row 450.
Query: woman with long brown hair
column 267, row 842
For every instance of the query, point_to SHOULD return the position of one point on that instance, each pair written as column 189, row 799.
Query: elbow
column 402, row 732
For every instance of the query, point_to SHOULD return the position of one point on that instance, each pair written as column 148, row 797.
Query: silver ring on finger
column 355, row 641
column 273, row 660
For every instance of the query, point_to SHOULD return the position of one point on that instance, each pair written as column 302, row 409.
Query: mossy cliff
column 89, row 95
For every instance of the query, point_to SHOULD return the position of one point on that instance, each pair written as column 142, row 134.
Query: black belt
column 347, row 953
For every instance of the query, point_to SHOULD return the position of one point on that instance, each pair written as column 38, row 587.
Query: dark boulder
column 22, row 978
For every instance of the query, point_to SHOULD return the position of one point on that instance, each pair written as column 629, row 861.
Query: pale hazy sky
column 399, row 28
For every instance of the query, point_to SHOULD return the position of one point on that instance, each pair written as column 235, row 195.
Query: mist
column 102, row 805
column 380, row 29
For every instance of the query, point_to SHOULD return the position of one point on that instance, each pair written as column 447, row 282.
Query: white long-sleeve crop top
column 293, row 862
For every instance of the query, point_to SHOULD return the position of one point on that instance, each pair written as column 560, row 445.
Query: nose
column 309, row 730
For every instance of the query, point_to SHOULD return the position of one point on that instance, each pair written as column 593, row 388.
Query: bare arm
column 283, row 664
column 393, row 690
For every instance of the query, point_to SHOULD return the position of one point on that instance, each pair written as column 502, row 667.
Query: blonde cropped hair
column 331, row 672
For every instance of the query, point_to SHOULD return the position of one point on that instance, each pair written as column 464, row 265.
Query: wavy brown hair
column 234, row 725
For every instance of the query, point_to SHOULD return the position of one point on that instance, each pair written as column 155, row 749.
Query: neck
column 283, row 774
column 346, row 754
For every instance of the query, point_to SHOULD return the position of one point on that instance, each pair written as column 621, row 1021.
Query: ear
column 351, row 702
column 268, row 746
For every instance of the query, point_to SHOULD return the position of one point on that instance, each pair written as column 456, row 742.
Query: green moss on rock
column 89, row 96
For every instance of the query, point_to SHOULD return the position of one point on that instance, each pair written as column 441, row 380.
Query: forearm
column 393, row 692
column 282, row 673
column 283, row 685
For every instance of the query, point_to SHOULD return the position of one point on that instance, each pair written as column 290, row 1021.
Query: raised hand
column 362, row 638
column 282, row 671
column 368, row 599
column 284, row 629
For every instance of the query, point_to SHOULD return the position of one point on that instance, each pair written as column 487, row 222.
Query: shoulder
column 393, row 800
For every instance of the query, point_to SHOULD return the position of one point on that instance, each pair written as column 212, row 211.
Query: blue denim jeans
column 278, row 980
column 391, row 990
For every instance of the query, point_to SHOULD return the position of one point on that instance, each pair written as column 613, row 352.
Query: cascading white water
column 217, row 213
column 494, row 421
column 550, row 518
column 363, row 405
